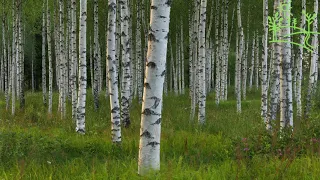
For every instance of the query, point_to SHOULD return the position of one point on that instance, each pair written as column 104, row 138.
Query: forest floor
column 229, row 146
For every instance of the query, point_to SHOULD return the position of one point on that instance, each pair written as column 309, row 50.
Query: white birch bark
column 21, row 60
column 44, row 72
column 275, row 86
column 239, row 57
column 252, row 60
column 202, row 62
column 126, row 63
column 50, row 59
column 74, row 59
column 217, row 53
column 313, row 65
column 13, row 61
column 112, row 73
column 286, row 111
column 81, row 105
column 96, row 73
column 264, row 78
column 256, row 61
column 149, row 147
column 182, row 59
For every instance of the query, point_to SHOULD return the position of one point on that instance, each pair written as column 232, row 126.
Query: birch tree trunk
column 300, row 60
column 275, row 88
column 81, row 105
column 44, row 73
column 21, row 60
column 149, row 147
column 202, row 62
column 313, row 65
column 112, row 73
column 6, row 84
column 217, row 54
column 252, row 60
column 50, row 58
column 256, row 65
column 62, row 59
column 239, row 58
column 264, row 83
column 14, row 57
column 286, row 111
column 126, row 63
column 96, row 73
column 74, row 59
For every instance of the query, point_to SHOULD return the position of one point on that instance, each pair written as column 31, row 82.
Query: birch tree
column 239, row 58
column 275, row 87
column 44, row 72
column 264, row 83
column 96, row 77
column 74, row 58
column 300, row 60
column 50, row 58
column 112, row 73
column 150, row 132
column 81, row 105
column 202, row 63
column 126, row 63
column 286, row 111
column 313, row 65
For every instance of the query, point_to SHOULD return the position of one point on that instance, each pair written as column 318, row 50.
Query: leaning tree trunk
column 264, row 83
column 286, row 111
column 149, row 148
column 126, row 63
column 112, row 73
column 81, row 106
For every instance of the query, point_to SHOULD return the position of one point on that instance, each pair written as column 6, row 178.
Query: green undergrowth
column 34, row 145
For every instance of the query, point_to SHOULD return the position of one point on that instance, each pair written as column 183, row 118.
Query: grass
column 230, row 145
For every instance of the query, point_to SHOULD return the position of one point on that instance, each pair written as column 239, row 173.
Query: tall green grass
column 229, row 146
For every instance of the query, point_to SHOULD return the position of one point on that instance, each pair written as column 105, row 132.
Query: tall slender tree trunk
column 313, row 65
column 239, row 58
column 44, row 73
column 74, row 59
column 112, row 73
column 126, row 63
column 150, row 132
column 264, row 83
column 300, row 60
column 275, row 86
column 252, row 61
column 81, row 106
column 96, row 73
column 202, row 62
column 286, row 111
column 50, row 58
